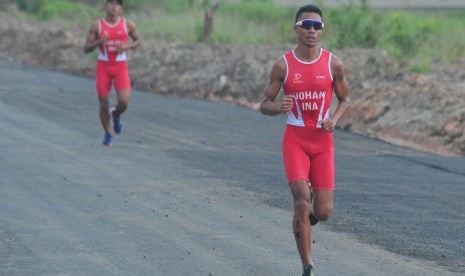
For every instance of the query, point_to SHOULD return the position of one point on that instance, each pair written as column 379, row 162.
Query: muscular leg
column 104, row 113
column 323, row 204
column 122, row 102
column 301, row 223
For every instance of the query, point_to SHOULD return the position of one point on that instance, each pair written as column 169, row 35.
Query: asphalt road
column 197, row 188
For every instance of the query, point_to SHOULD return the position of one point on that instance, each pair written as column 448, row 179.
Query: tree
column 208, row 21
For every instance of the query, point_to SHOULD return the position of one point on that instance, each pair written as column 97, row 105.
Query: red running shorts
column 308, row 154
column 108, row 71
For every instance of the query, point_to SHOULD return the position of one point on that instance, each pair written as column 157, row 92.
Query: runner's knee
column 122, row 106
column 302, row 205
column 104, row 105
column 323, row 213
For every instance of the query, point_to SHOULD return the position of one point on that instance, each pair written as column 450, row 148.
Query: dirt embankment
column 422, row 111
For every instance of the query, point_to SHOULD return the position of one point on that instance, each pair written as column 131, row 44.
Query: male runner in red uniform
column 309, row 75
column 110, row 35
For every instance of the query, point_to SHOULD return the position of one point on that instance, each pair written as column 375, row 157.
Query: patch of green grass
column 29, row 6
column 404, row 33
column 253, row 22
column 177, row 28
column 65, row 10
column 421, row 67
column 447, row 41
column 257, row 11
column 418, row 36
column 233, row 30
column 350, row 26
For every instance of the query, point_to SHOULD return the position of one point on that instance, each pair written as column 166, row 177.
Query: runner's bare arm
column 341, row 89
column 134, row 34
column 92, row 40
column 268, row 105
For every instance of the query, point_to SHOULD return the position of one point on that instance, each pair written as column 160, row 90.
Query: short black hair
column 308, row 8
column 119, row 1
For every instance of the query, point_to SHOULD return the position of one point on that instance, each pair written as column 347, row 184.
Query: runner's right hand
column 103, row 38
column 286, row 104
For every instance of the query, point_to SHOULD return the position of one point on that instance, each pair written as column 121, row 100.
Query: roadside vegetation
column 421, row 36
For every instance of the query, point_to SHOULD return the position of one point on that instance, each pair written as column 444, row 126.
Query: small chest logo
column 321, row 77
column 297, row 77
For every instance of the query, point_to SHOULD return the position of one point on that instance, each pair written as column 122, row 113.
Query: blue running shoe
column 107, row 140
column 117, row 125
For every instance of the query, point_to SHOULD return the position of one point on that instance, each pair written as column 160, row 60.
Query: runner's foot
column 107, row 140
column 307, row 270
column 117, row 125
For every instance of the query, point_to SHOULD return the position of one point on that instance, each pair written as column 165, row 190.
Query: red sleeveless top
column 311, row 84
column 117, row 34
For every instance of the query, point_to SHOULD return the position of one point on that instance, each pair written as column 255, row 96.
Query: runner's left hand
column 328, row 125
column 123, row 48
